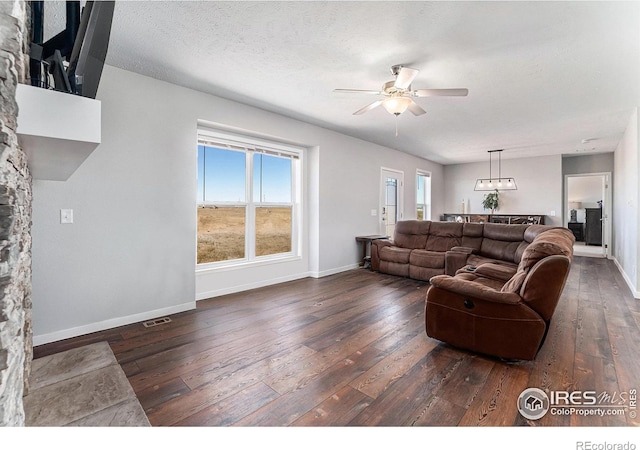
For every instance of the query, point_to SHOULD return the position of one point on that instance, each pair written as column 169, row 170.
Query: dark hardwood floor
column 350, row 349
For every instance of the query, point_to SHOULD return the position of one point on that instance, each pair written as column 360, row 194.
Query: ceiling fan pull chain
column 397, row 115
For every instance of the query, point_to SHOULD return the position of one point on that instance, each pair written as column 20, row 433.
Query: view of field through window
column 221, row 232
column 224, row 203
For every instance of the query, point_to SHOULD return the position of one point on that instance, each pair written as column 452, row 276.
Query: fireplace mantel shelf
column 57, row 131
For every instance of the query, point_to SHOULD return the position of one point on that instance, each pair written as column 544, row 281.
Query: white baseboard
column 634, row 291
column 110, row 323
column 272, row 281
column 248, row 286
column 326, row 273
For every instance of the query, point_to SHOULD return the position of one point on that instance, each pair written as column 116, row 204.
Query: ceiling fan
column 398, row 94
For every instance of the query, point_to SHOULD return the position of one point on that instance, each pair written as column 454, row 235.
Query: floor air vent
column 154, row 322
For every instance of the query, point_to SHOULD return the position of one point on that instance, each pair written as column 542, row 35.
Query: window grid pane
column 221, row 233
column 273, row 230
column 271, row 179
column 224, row 175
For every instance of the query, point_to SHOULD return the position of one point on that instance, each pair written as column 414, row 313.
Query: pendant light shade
column 500, row 183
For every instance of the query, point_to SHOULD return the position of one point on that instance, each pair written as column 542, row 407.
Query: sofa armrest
column 455, row 260
column 375, row 257
column 476, row 291
column 382, row 242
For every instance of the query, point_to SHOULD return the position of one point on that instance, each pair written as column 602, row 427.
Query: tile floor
column 81, row 387
column 593, row 251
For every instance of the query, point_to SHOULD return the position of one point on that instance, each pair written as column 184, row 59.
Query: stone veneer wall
column 15, row 221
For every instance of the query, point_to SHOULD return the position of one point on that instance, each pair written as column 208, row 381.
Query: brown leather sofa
column 496, row 310
column 424, row 249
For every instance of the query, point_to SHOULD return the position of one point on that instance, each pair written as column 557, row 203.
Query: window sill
column 217, row 267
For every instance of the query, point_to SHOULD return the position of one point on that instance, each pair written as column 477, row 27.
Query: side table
column 577, row 228
column 366, row 244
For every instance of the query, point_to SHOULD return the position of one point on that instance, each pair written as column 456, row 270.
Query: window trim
column 250, row 146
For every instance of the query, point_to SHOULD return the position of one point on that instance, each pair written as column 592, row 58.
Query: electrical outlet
column 552, row 213
column 66, row 216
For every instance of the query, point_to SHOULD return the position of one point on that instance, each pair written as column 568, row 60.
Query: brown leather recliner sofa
column 493, row 310
column 424, row 249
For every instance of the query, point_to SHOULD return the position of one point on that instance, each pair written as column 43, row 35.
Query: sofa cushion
column 443, row 236
column 411, row 233
column 554, row 241
column 487, row 282
column 499, row 272
column 477, row 260
column 395, row 254
column 394, row 268
column 503, row 232
column 472, row 235
column 426, row 258
column 423, row 273
column 502, row 241
column 534, row 230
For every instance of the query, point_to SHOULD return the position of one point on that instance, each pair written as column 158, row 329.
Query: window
column 248, row 199
column 423, row 195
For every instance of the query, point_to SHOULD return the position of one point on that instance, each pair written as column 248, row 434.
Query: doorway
column 587, row 213
column 391, row 199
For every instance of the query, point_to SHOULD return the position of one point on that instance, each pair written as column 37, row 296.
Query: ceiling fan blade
column 416, row 109
column 357, row 91
column 405, row 77
column 439, row 92
column 369, row 107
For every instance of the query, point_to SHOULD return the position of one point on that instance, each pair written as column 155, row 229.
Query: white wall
column 130, row 255
column 626, row 212
column 539, row 182
column 596, row 163
column 350, row 189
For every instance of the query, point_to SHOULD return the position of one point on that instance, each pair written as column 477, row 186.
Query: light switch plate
column 374, row 212
column 66, row 216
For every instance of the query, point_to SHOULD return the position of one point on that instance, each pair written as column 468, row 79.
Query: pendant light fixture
column 500, row 183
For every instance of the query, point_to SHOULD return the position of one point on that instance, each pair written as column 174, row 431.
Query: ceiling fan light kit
column 396, row 105
column 501, row 183
column 398, row 94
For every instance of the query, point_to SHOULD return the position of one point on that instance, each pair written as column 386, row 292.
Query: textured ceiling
column 542, row 76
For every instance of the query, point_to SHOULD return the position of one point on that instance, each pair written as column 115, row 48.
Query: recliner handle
column 468, row 304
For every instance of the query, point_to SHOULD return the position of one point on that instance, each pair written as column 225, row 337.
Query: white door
column 391, row 199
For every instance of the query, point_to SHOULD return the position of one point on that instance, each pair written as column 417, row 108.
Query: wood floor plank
column 625, row 351
column 434, row 412
column 596, row 374
column 233, row 408
column 255, row 364
column 337, row 410
column 397, row 403
column 289, row 407
column 351, row 349
column 158, row 394
column 377, row 379
column 312, row 367
column 496, row 403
